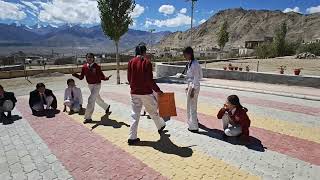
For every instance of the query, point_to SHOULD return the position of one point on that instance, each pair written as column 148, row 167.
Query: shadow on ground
column 165, row 145
column 105, row 121
column 51, row 113
column 253, row 144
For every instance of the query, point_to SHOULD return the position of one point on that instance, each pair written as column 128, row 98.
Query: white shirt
column 76, row 93
column 194, row 74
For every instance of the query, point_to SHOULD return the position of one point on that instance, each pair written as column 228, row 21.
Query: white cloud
column 312, row 10
column 11, row 11
column 295, row 9
column 137, row 11
column 71, row 11
column 183, row 10
column 202, row 21
column 179, row 20
column 30, row 5
column 211, row 12
column 167, row 9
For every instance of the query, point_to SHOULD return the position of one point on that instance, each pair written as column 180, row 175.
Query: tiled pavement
column 286, row 142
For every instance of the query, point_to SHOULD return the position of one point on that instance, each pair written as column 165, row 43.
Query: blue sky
column 161, row 15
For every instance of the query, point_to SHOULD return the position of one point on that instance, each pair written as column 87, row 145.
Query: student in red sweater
column 234, row 117
column 93, row 73
column 141, row 82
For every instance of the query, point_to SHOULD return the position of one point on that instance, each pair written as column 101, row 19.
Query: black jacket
column 35, row 98
column 8, row 96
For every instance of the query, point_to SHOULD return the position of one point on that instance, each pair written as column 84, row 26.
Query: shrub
column 313, row 48
column 266, row 50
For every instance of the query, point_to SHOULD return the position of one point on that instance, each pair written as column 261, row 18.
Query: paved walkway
column 285, row 141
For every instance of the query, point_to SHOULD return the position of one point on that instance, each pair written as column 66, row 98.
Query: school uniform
column 142, row 85
column 7, row 103
column 73, row 98
column 194, row 75
column 94, row 75
column 235, row 122
column 39, row 102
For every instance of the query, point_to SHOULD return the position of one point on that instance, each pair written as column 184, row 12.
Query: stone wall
column 21, row 73
column 166, row 70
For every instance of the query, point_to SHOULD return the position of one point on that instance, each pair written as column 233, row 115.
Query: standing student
column 93, row 73
column 141, row 82
column 194, row 75
column 72, row 97
column 235, row 121
column 42, row 100
column 7, row 103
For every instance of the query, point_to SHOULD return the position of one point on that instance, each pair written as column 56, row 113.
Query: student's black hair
column 89, row 54
column 234, row 100
column 141, row 49
column 1, row 87
column 189, row 50
column 69, row 81
column 39, row 85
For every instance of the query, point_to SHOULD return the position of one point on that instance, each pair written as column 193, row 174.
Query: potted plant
column 282, row 69
column 240, row 68
column 230, row 67
column 248, row 68
column 236, row 68
column 225, row 68
column 297, row 71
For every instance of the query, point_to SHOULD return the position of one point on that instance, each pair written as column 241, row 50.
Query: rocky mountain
column 246, row 25
column 71, row 36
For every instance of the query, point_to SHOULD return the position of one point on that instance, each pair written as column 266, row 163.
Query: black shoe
column 2, row 117
column 108, row 112
column 193, row 131
column 87, row 121
column 148, row 117
column 133, row 141
column 71, row 112
column 160, row 131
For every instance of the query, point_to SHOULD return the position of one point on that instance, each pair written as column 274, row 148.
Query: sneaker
column 148, row 117
column 160, row 131
column 193, row 131
column 133, row 141
column 87, row 121
column 108, row 112
column 71, row 112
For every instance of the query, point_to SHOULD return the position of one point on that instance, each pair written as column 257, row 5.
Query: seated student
column 7, row 103
column 41, row 100
column 234, row 117
column 72, row 97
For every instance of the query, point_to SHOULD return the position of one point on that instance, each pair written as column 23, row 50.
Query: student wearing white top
column 72, row 97
column 194, row 75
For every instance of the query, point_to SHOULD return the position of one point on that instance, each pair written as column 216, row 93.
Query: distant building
column 251, row 44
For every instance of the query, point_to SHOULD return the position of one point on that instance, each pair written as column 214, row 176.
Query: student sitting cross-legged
column 235, row 120
column 72, row 97
column 42, row 100
column 7, row 103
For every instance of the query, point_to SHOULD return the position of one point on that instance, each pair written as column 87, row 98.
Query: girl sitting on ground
column 235, row 120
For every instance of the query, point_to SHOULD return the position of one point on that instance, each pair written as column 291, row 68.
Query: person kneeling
column 42, row 100
column 235, row 120
column 72, row 98
column 7, row 103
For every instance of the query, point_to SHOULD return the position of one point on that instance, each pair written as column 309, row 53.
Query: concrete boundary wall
column 21, row 73
column 166, row 70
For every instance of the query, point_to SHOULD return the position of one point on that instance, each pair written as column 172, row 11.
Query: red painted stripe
column 292, row 146
column 85, row 154
column 255, row 101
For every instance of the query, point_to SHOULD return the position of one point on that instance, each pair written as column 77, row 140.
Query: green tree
column 115, row 20
column 223, row 35
column 280, row 39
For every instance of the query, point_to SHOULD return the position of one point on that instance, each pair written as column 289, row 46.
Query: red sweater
column 93, row 75
column 239, row 117
column 140, row 77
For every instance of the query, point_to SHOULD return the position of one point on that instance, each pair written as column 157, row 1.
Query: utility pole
column 193, row 2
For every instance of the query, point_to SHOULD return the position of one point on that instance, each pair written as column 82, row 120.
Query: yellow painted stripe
column 198, row 166
column 275, row 125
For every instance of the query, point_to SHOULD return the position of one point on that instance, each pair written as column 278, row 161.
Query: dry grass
column 310, row 66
